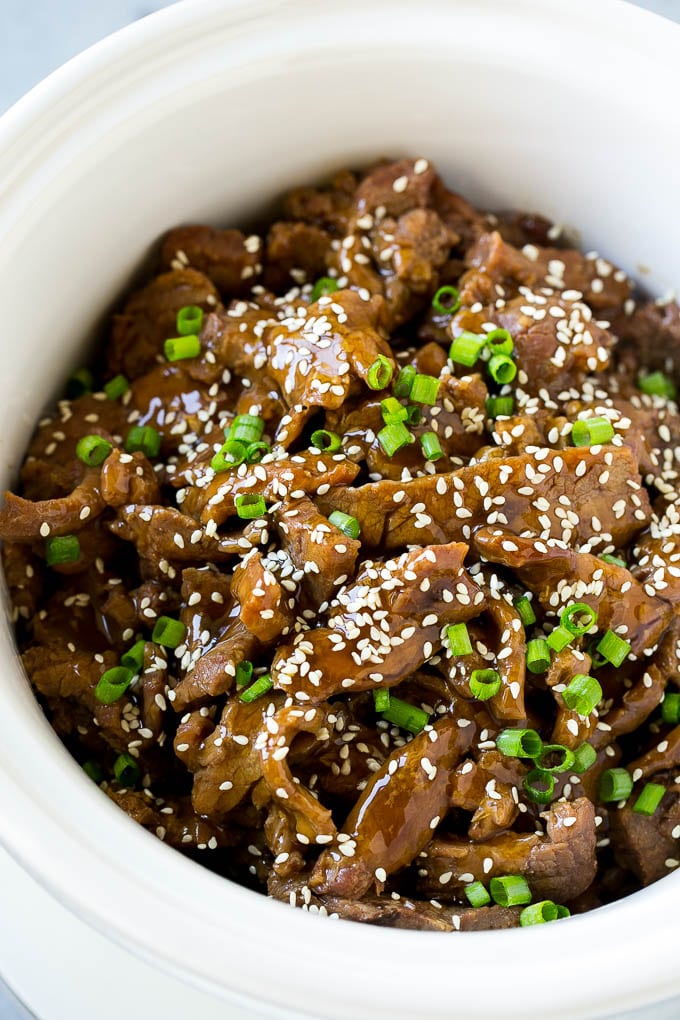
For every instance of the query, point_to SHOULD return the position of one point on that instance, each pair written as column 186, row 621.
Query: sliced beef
column 324, row 554
column 228, row 258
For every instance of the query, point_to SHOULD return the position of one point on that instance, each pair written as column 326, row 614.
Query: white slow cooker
column 206, row 112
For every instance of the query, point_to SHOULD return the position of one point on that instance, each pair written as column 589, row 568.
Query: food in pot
column 350, row 568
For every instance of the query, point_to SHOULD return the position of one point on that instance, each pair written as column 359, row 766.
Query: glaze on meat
column 367, row 774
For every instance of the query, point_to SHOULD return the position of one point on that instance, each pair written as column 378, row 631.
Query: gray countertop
column 38, row 36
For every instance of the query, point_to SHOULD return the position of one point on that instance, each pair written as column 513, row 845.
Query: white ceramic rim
column 179, row 915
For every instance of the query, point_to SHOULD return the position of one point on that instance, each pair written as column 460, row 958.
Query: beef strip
column 447, row 508
column 559, row 865
column 227, row 257
column 403, row 620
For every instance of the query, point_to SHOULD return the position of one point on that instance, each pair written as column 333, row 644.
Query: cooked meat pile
column 350, row 571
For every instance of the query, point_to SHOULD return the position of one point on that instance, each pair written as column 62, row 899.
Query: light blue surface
column 36, row 36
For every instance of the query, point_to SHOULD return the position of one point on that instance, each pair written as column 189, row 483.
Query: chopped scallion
column 657, row 384
column 407, row 717
column 592, row 431
column 670, row 708
column 526, row 611
column 485, row 683
column 538, row 655
column 256, row 451
column 116, row 387
column 459, row 639
column 499, row 341
column 582, row 694
column 584, row 757
column 424, row 390
column 232, row 454
column 649, row 799
column 539, row 786
column 554, row 758
column 431, row 446
column 324, row 285
column 402, row 386
column 613, row 648
column 168, row 632
column 380, row 373
column 447, row 300
column 244, row 673
column 519, row 743
column 393, row 411
column 466, row 348
column 346, row 523
column 394, row 437
column 93, row 450
column 133, row 659
column 381, row 700
column 499, row 407
column 62, row 549
column 538, row 913
column 510, row 890
column 189, row 320
column 250, row 505
column 477, row 895
column 578, row 618
column 502, row 368
column 615, row 784
column 259, row 687
column 143, row 439
column 126, row 770
column 113, row 684
column 179, row 348
column 559, row 638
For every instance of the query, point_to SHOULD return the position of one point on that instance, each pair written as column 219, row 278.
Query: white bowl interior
column 207, row 113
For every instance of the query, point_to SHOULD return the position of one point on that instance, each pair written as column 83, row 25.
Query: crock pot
column 206, row 112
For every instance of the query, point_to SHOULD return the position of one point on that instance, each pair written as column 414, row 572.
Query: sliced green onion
column 64, row 549
column 582, row 694
column 466, row 348
column 244, row 673
column 538, row 913
column 592, row 432
column 393, row 437
column 324, row 285
column 229, row 456
column 179, row 348
column 93, row 770
column 134, row 657
column 381, row 700
column 499, row 407
column 126, row 770
column 250, row 505
column 424, row 390
column 578, row 618
column 402, row 386
column 657, row 384
column 256, row 451
column 519, row 743
column 116, row 387
column 393, row 411
column 93, row 450
column 459, row 639
column 562, row 911
column 559, row 638
column 80, row 383
column 539, row 786
column 526, row 611
column 168, row 632
column 502, row 368
column 346, row 523
column 406, row 716
column 144, row 439
column 670, row 708
column 510, row 890
column 613, row 648
column 477, row 895
column 565, row 758
column 380, row 373
column 538, row 655
column 257, row 689
column 615, row 784
column 596, row 660
column 499, row 341
column 649, row 799
column 584, row 757
column 615, row 561
column 113, row 684
column 189, row 320
column 485, row 683
column 246, row 428
column 326, row 441
column 447, row 300
column 431, row 446
column 414, row 414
